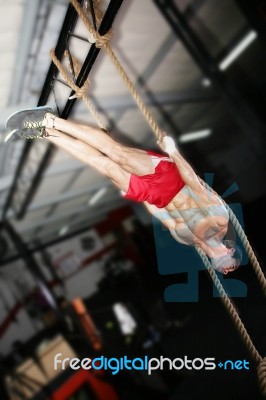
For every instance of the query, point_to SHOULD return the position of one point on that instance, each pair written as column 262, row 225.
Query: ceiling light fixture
column 206, row 82
column 126, row 321
column 97, row 196
column 237, row 50
column 63, row 230
column 190, row 136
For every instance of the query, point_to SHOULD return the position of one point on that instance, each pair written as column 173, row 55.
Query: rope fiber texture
column 79, row 92
column 102, row 42
column 242, row 236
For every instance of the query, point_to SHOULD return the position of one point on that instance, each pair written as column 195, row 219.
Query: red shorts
column 158, row 188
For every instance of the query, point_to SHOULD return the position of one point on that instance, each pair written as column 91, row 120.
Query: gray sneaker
column 32, row 119
column 26, row 133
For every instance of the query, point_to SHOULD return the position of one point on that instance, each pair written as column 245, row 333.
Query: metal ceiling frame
column 30, row 14
column 67, row 215
column 243, row 114
column 64, row 37
column 68, row 26
column 139, row 81
column 96, row 218
column 31, row 9
column 33, row 267
column 61, row 198
column 77, row 219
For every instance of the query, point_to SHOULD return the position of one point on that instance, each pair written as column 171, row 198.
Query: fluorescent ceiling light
column 206, row 82
column 190, row 136
column 126, row 321
column 97, row 196
column 235, row 53
column 63, row 230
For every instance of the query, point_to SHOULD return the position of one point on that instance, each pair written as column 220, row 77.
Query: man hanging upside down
column 166, row 184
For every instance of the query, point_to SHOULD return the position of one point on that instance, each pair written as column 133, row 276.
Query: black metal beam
column 40, row 247
column 67, row 27
column 17, row 174
column 63, row 40
column 33, row 267
column 106, row 24
column 248, row 121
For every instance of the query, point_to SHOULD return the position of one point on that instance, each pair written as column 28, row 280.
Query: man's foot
column 31, row 120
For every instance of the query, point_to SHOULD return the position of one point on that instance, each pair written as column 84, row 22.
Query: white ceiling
column 160, row 67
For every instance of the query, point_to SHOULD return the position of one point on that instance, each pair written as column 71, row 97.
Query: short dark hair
column 232, row 259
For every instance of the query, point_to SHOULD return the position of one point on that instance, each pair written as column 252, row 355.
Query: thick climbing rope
column 79, row 92
column 228, row 304
column 102, row 42
column 260, row 361
column 262, row 376
column 242, row 236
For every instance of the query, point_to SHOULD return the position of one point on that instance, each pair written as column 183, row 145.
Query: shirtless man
column 166, row 184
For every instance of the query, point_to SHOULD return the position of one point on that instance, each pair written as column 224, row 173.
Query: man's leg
column 134, row 161
column 90, row 156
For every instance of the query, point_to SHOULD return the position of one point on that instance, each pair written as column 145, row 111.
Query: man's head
column 230, row 261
